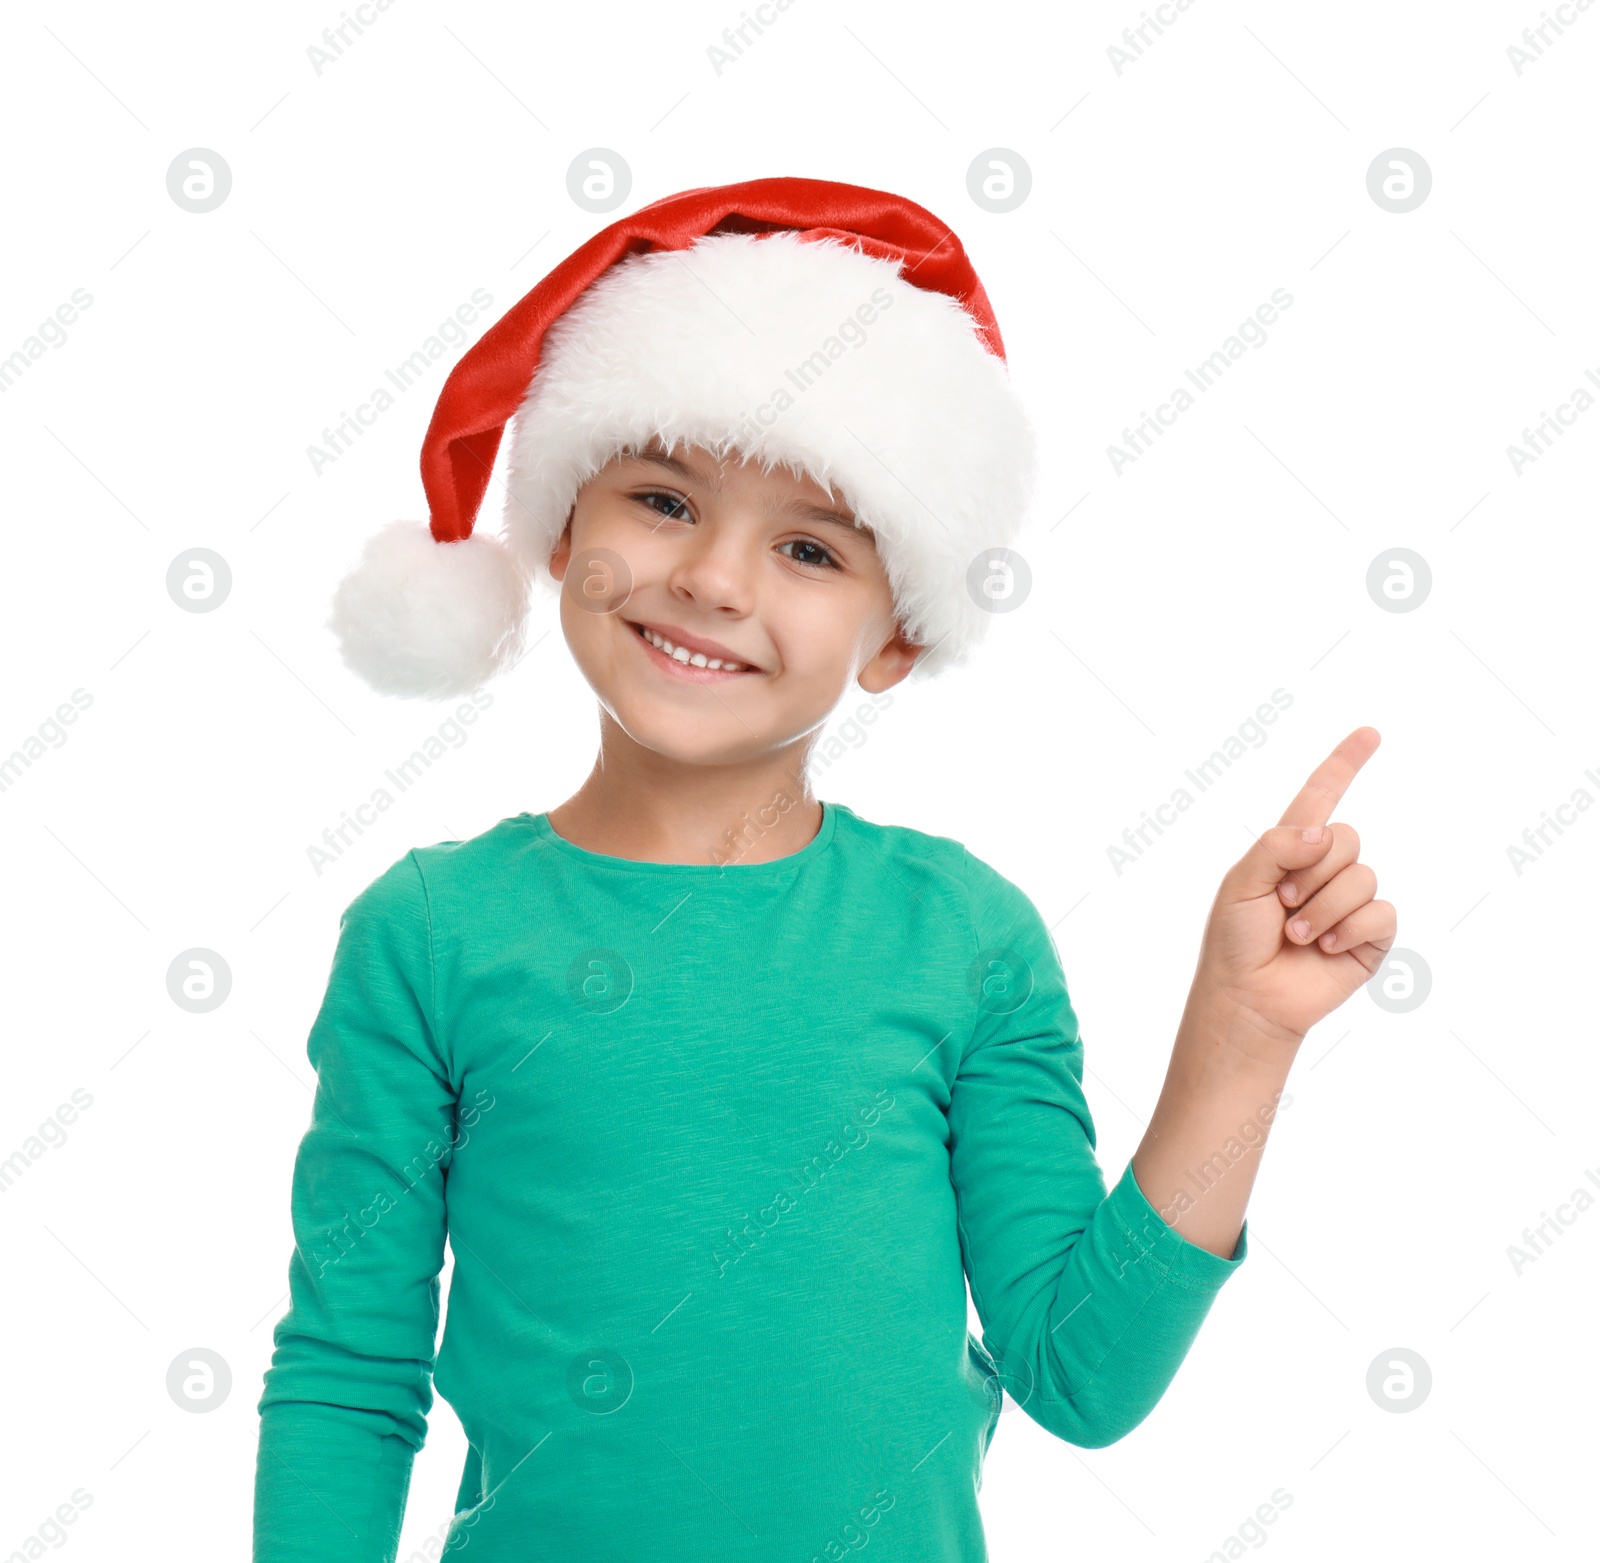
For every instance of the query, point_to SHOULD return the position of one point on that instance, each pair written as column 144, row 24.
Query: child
column 721, row 1093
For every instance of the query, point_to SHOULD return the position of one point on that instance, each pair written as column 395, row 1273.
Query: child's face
column 726, row 554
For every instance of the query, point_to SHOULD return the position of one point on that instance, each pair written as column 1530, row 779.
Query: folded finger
column 1368, row 929
column 1349, row 889
column 1298, row 886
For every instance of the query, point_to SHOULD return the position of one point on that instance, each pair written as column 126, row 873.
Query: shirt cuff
column 1153, row 1241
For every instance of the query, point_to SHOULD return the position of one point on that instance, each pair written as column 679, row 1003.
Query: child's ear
column 892, row 663
column 561, row 556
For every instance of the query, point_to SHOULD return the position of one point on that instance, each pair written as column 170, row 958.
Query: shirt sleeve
column 1089, row 1300
column 345, row 1401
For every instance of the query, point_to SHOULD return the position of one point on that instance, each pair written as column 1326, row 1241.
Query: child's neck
column 642, row 805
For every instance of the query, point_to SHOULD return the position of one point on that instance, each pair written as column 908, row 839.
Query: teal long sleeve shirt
column 715, row 1149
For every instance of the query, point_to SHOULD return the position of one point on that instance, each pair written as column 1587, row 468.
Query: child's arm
column 1259, row 988
column 346, row 1398
column 1089, row 1300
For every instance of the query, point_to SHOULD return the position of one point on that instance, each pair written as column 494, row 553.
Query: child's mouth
column 682, row 663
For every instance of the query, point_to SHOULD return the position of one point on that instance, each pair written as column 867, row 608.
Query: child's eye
column 677, row 506
column 819, row 559
column 674, row 507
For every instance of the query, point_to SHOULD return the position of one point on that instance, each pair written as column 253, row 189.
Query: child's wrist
column 1225, row 1033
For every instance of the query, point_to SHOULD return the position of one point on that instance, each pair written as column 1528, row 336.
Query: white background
column 1168, row 602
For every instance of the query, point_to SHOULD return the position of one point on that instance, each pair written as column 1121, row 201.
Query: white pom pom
column 430, row 620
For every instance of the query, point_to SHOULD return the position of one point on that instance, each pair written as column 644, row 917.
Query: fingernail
column 1300, row 928
column 1312, row 833
column 1289, row 890
column 1329, row 939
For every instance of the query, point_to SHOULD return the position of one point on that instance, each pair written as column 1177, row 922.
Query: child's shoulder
column 944, row 857
column 445, row 868
column 470, row 854
column 902, row 843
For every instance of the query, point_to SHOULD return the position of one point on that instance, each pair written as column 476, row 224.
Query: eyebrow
column 818, row 515
column 801, row 509
column 661, row 458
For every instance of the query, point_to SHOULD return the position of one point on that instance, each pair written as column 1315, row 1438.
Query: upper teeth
column 693, row 658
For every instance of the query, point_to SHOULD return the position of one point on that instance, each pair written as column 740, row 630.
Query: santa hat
column 837, row 330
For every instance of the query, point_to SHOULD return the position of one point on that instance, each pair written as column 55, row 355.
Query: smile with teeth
column 694, row 659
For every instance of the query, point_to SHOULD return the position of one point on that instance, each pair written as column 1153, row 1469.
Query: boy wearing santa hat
column 721, row 1094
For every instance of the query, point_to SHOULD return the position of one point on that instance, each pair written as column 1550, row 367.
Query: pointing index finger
column 1326, row 785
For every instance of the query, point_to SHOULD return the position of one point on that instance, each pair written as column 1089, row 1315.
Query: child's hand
column 1255, row 960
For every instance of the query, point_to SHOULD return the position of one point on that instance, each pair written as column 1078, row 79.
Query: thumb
column 1275, row 853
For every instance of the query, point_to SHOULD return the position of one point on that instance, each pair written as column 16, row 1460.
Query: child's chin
column 685, row 736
